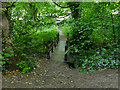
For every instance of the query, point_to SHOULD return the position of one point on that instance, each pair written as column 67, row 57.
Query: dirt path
column 62, row 36
column 54, row 73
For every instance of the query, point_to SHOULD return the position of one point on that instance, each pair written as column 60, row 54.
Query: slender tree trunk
column 119, row 27
column 34, row 12
column 119, row 33
column 113, row 28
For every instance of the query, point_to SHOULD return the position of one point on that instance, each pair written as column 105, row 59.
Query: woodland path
column 54, row 73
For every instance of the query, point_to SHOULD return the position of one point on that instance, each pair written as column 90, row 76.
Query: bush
column 28, row 42
column 92, row 43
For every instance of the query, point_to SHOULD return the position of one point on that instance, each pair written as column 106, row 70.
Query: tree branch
column 9, row 6
column 67, row 15
column 59, row 5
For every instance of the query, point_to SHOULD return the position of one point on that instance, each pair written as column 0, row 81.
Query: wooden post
column 48, row 55
column 65, row 58
column 66, row 47
column 48, row 52
column 67, row 36
column 52, row 47
column 67, row 42
column 57, row 38
column 55, row 42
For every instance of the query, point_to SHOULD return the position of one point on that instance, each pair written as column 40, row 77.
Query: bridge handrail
column 66, row 48
column 51, row 45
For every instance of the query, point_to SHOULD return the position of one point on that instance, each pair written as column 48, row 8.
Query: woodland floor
column 54, row 73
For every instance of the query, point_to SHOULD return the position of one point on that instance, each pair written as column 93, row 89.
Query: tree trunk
column 113, row 28
column 75, row 12
column 6, row 36
column 119, row 27
column 119, row 33
column 34, row 11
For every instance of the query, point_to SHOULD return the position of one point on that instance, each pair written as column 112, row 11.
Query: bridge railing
column 66, row 48
column 51, row 45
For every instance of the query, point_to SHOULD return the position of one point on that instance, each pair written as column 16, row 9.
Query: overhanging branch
column 59, row 5
column 9, row 6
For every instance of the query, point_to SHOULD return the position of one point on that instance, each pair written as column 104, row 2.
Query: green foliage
column 30, row 32
column 26, row 66
column 92, row 42
column 97, row 61
column 6, row 63
column 28, row 41
column 47, row 33
column 66, row 28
